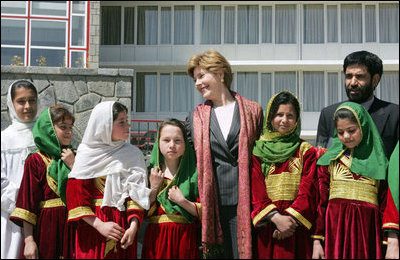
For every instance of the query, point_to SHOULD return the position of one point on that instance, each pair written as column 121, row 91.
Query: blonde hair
column 212, row 61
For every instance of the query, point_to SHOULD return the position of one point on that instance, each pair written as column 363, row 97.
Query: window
column 183, row 25
column 247, row 83
column 370, row 23
column 229, row 24
column 49, row 8
column 285, row 24
column 389, row 23
column 13, row 7
column 266, row 24
column 285, row 81
column 110, row 25
column 247, row 28
column 266, row 89
column 147, row 25
column 210, row 24
column 332, row 23
column 314, row 95
column 333, row 85
column 183, row 92
column 389, row 86
column 129, row 25
column 146, row 92
column 313, row 24
column 351, row 23
column 165, row 25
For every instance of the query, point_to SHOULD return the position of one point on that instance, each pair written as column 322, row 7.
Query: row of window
column 175, row 91
column 44, row 33
column 251, row 24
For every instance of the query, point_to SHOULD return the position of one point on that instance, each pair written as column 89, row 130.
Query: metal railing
column 144, row 133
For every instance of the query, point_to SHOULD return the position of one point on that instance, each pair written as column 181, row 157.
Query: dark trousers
column 228, row 218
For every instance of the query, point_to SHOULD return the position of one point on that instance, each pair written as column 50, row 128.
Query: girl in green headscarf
column 390, row 223
column 283, row 183
column 40, row 206
column 175, row 209
column 352, row 180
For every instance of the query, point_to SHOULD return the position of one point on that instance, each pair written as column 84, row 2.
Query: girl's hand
column 318, row 250
column 175, row 195
column 392, row 251
column 129, row 235
column 156, row 178
column 31, row 250
column 68, row 157
column 110, row 230
column 286, row 225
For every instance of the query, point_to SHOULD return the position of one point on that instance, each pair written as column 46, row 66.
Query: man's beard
column 364, row 93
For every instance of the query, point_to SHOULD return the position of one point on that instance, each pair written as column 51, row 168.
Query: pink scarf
column 251, row 121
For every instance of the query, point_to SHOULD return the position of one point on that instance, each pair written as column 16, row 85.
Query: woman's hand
column 130, row 233
column 68, row 157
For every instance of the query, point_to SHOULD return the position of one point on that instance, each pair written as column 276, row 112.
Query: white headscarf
column 19, row 134
column 122, row 162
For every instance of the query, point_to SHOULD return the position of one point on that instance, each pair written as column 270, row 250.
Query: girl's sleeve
column 390, row 220
column 80, row 199
column 31, row 191
column 134, row 210
column 304, row 207
column 262, row 204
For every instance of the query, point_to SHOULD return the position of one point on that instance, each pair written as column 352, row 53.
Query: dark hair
column 173, row 122
column 370, row 60
column 344, row 113
column 118, row 108
column 58, row 113
column 283, row 97
column 22, row 84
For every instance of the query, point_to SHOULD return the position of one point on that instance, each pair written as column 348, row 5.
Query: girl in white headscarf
column 107, row 188
column 16, row 144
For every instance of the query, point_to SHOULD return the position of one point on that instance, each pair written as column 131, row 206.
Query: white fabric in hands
column 121, row 162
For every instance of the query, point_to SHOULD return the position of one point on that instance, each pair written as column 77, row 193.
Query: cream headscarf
column 122, row 162
column 19, row 133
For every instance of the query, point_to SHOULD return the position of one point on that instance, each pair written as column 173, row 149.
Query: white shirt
column 224, row 116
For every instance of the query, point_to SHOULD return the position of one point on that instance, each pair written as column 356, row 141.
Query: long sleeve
column 304, row 206
column 262, row 204
column 31, row 191
column 390, row 220
column 323, row 183
column 80, row 199
column 322, row 130
column 8, row 189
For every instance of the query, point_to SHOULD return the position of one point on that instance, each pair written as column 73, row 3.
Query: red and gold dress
column 349, row 212
column 290, row 187
column 170, row 236
column 39, row 205
column 391, row 215
column 84, row 199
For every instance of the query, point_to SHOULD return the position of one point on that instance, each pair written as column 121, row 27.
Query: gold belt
column 52, row 203
column 167, row 218
column 354, row 191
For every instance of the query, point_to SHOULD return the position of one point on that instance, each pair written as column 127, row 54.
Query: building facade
column 272, row 46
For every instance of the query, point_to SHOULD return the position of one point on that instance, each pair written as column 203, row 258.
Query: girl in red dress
column 352, row 188
column 174, row 217
column 40, row 206
column 283, row 183
column 106, row 192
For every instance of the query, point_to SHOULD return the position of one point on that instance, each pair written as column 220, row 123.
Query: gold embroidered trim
column 167, row 219
column 299, row 217
column 391, row 225
column 110, row 245
column 51, row 203
column 50, row 180
column 318, row 237
column 79, row 212
column 198, row 209
column 263, row 213
column 133, row 205
column 100, row 183
column 344, row 186
column 152, row 209
column 24, row 215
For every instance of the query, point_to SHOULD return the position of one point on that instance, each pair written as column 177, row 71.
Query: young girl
column 16, row 144
column 390, row 222
column 106, row 191
column 283, row 183
column 174, row 218
column 40, row 206
column 351, row 188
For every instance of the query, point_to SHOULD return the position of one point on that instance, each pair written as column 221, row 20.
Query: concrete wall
column 79, row 90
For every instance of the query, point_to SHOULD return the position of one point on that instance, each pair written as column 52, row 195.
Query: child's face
column 349, row 133
column 284, row 119
column 120, row 130
column 172, row 143
column 25, row 104
column 64, row 131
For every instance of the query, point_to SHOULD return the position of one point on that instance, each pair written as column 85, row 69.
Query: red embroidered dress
column 170, row 236
column 290, row 187
column 39, row 205
column 84, row 199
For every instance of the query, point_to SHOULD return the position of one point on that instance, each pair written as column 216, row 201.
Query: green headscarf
column 274, row 147
column 45, row 138
column 368, row 158
column 185, row 178
column 393, row 175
